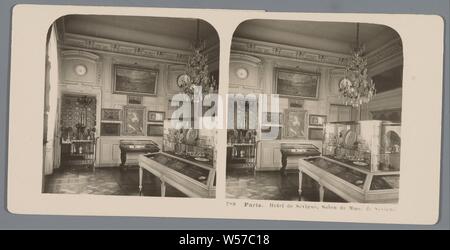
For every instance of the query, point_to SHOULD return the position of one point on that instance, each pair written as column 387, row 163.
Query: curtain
column 51, row 133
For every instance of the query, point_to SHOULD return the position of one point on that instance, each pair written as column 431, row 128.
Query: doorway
column 78, row 120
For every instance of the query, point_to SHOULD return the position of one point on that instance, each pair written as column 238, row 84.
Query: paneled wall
column 98, row 81
column 261, row 60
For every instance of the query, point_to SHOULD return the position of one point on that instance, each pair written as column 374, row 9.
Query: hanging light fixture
column 196, row 71
column 357, row 88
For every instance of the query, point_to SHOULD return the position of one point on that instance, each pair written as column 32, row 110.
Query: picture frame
column 110, row 129
column 297, row 84
column 134, row 100
column 133, row 121
column 393, row 115
column 317, row 120
column 135, row 80
column 296, row 103
column 315, row 134
column 155, row 129
column 156, row 116
column 295, row 124
column 111, row 115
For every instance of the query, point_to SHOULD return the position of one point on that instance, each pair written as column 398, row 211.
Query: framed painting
column 393, row 115
column 295, row 126
column 317, row 120
column 134, row 100
column 155, row 130
column 291, row 83
column 315, row 134
column 134, row 80
column 111, row 115
column 133, row 124
column 156, row 116
column 296, row 103
column 109, row 129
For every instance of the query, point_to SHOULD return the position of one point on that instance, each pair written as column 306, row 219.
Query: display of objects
column 360, row 162
column 373, row 145
column 193, row 178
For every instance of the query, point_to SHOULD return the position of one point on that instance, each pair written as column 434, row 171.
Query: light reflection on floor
column 246, row 184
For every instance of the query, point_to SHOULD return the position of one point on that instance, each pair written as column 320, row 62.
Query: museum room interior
column 337, row 129
column 108, row 105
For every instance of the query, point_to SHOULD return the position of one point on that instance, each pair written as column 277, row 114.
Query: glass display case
column 372, row 145
column 360, row 161
column 187, row 162
column 351, row 183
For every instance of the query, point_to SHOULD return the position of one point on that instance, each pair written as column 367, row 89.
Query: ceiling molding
column 242, row 58
column 95, row 44
column 392, row 49
column 124, row 48
column 289, row 52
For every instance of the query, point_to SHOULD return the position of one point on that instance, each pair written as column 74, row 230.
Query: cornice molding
column 248, row 59
column 390, row 50
column 96, row 44
column 255, row 47
column 80, row 55
column 125, row 48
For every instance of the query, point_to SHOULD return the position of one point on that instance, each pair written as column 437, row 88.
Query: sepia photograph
column 316, row 117
column 340, row 93
column 109, row 83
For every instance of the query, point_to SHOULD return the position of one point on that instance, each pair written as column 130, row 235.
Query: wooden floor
column 104, row 181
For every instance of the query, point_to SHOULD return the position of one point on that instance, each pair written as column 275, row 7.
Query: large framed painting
column 292, row 83
column 295, row 124
column 133, row 80
column 133, row 124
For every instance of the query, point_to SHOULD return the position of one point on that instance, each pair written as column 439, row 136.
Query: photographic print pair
column 306, row 115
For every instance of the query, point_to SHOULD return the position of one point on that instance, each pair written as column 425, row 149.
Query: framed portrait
column 295, row 126
column 110, row 129
column 111, row 115
column 315, row 134
column 133, row 124
column 134, row 100
column 317, row 120
column 155, row 129
column 292, row 83
column 156, row 116
column 135, row 80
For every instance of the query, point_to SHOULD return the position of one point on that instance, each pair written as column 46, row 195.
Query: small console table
column 128, row 147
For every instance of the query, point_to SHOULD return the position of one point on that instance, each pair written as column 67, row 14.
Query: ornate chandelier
column 196, row 72
column 357, row 88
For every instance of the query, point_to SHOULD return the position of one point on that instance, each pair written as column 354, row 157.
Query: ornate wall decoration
column 125, row 48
